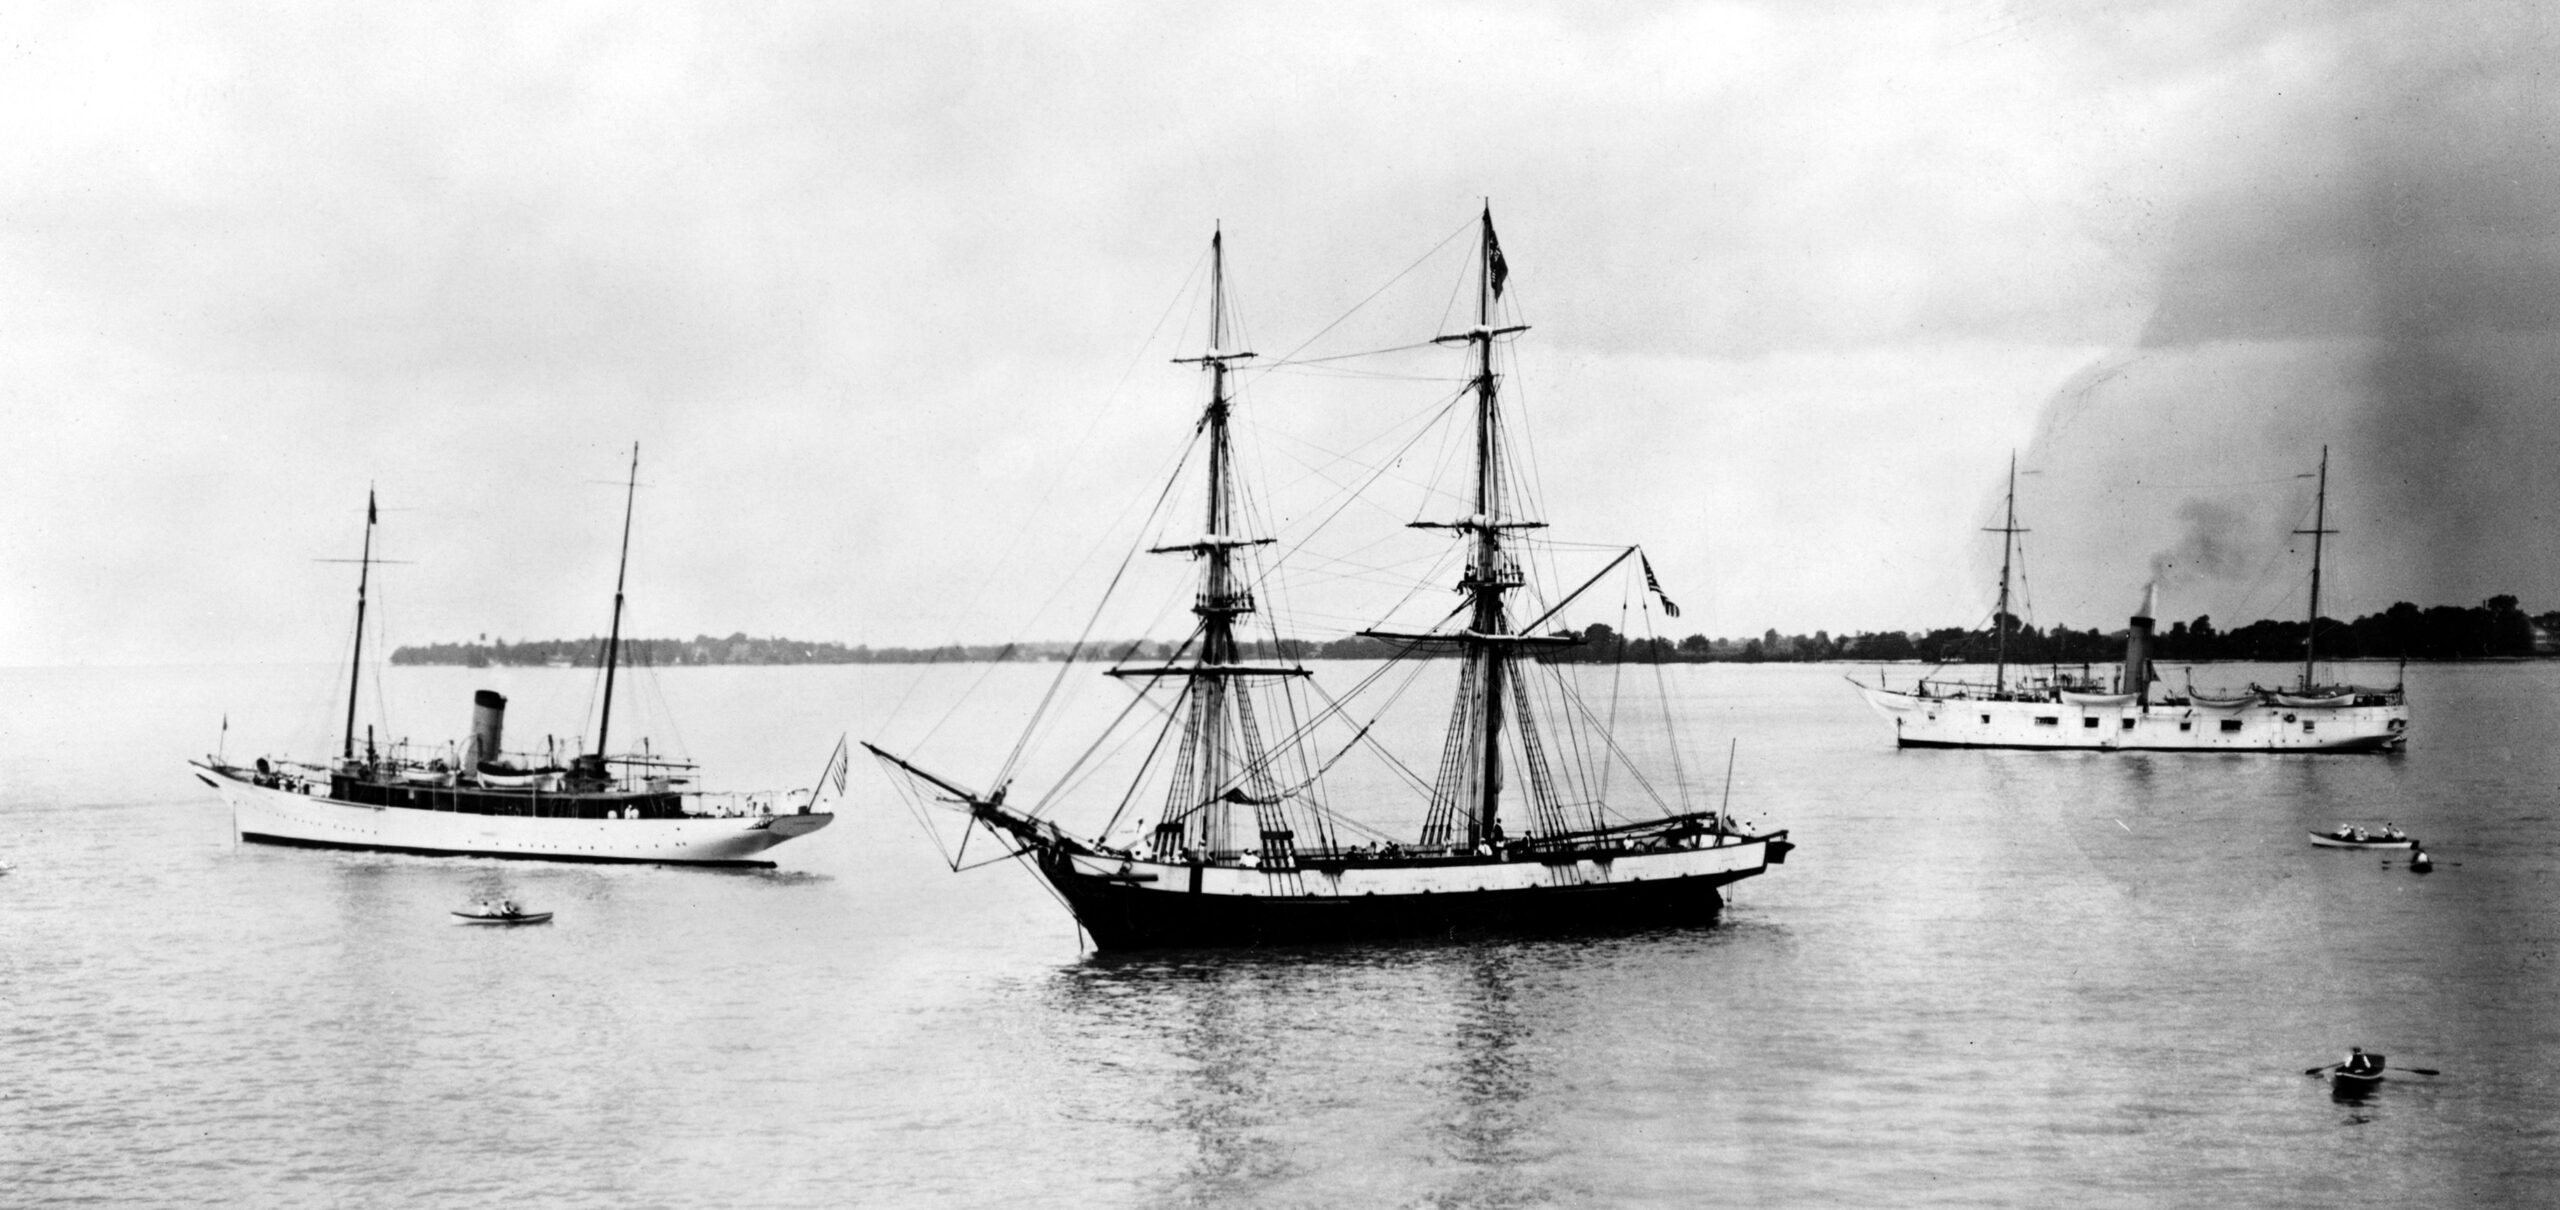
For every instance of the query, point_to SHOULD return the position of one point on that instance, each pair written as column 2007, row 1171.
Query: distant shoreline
column 2496, row 629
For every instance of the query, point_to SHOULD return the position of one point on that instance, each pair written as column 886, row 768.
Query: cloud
column 2361, row 255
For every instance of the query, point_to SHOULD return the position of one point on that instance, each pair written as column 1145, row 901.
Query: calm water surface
column 1984, row 979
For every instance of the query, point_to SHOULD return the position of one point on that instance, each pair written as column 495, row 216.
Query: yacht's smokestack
column 2137, row 647
column 488, row 726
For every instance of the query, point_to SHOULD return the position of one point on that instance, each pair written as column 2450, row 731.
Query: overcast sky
column 870, row 286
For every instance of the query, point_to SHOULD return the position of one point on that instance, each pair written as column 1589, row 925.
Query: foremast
column 1222, row 761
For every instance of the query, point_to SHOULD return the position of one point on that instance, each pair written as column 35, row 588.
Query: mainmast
column 2319, row 529
column 1491, row 573
column 355, row 673
column 2008, row 531
column 613, row 643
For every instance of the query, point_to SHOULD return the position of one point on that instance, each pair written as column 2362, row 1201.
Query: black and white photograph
column 1131, row 604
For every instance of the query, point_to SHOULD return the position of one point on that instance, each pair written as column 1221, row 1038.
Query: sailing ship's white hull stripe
column 1931, row 722
column 1721, row 862
column 267, row 815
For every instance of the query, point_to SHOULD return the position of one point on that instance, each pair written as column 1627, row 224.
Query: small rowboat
column 504, row 917
column 2347, row 1083
column 2331, row 840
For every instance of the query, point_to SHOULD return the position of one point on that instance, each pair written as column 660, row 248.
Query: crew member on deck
column 2361, row 1064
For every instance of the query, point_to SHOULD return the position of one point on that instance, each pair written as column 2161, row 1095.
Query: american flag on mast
column 835, row 770
column 1656, row 586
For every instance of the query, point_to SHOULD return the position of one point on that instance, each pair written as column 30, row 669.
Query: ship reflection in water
column 1255, row 1065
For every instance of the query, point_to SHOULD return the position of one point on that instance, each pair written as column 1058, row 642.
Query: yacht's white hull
column 269, row 815
column 1955, row 722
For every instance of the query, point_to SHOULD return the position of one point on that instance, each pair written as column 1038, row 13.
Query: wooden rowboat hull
column 2327, row 841
column 519, row 918
column 2349, row 1085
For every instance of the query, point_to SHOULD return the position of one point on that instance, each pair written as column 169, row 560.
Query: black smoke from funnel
column 2210, row 546
column 2391, row 235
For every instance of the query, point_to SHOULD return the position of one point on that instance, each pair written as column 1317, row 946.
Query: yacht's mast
column 355, row 673
column 2319, row 529
column 613, row 643
column 2008, row 532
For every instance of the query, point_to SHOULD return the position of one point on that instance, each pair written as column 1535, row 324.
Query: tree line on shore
column 2495, row 628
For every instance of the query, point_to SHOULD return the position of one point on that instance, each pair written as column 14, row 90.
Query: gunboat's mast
column 613, row 643
column 2319, row 529
column 2008, row 531
column 355, row 673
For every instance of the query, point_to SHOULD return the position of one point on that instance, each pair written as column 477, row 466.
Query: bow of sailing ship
column 479, row 800
column 1519, row 831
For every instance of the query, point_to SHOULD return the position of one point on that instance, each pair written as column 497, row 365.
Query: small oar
column 2424, row 1071
column 2313, row 1071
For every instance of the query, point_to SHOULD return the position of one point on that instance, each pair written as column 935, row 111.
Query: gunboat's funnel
column 2137, row 647
column 488, row 727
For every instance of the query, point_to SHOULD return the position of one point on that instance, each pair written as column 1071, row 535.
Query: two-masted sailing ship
column 2135, row 712
column 1257, row 843
column 478, row 799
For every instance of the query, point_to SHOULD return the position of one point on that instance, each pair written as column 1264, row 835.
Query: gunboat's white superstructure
column 2133, row 714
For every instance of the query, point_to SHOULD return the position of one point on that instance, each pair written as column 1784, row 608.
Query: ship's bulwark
column 1168, row 913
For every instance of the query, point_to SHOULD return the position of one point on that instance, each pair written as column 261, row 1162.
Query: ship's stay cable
column 1617, row 682
column 1383, row 287
column 381, row 661
column 1071, row 777
column 1345, row 497
column 1038, row 713
column 1662, row 689
column 1191, row 284
column 1634, row 771
column 1582, row 708
column 1173, row 714
column 1295, row 362
column 1296, row 740
column 326, row 698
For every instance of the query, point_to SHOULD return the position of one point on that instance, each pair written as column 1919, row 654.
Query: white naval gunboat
column 2135, row 713
column 482, row 801
column 1257, row 845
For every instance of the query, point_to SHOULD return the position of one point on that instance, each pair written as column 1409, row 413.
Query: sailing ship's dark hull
column 1120, row 915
